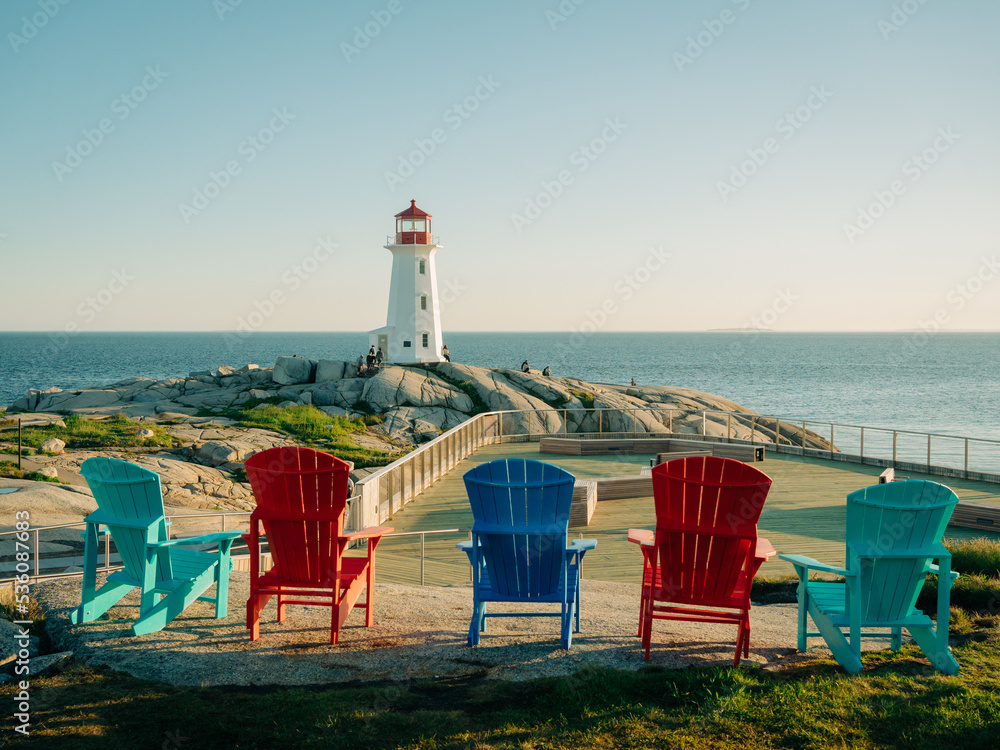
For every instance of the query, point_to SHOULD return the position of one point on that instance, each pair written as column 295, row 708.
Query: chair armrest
column 799, row 561
column 764, row 549
column 106, row 519
column 581, row 545
column 910, row 553
column 219, row 536
column 932, row 568
column 371, row 531
column 465, row 546
column 641, row 536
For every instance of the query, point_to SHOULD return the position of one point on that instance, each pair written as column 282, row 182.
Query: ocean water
column 947, row 383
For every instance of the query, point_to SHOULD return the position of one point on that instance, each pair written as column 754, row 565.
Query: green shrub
column 980, row 555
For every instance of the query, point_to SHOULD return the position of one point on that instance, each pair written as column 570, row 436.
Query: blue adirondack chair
column 130, row 506
column 519, row 550
column 893, row 533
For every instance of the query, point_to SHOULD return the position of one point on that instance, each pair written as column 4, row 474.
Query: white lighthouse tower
column 412, row 331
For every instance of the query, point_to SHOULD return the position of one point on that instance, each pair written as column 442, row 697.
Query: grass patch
column 587, row 399
column 316, row 428
column 980, row 556
column 898, row 702
column 114, row 431
column 466, row 386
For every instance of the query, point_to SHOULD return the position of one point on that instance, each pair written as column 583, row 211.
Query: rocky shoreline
column 414, row 404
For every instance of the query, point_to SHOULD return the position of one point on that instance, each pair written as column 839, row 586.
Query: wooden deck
column 804, row 514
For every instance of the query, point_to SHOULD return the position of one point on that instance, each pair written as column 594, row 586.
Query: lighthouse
column 412, row 330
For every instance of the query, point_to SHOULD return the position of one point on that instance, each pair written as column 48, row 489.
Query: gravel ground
column 418, row 632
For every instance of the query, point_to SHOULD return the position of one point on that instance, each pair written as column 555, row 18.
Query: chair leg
column 647, row 625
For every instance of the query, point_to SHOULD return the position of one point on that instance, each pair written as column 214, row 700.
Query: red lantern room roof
column 412, row 211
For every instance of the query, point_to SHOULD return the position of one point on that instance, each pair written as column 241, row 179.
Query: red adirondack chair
column 301, row 497
column 700, row 562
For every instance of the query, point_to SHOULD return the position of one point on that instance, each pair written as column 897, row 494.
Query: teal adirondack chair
column 130, row 506
column 519, row 550
column 893, row 533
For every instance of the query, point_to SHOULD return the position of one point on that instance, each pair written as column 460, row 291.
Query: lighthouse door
column 383, row 342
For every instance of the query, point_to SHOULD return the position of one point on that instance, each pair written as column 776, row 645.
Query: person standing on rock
column 445, row 353
column 370, row 359
column 379, row 357
column 633, row 381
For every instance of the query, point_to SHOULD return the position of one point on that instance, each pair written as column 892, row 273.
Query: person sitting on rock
column 445, row 353
column 370, row 359
column 524, row 366
column 547, row 371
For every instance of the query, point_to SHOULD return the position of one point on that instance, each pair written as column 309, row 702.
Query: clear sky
column 618, row 166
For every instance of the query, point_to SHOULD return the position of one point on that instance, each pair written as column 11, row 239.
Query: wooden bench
column 618, row 488
column 584, row 502
column 976, row 516
column 658, row 446
column 662, row 458
column 745, row 453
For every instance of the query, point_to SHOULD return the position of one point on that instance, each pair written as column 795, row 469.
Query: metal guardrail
column 387, row 490
column 36, row 531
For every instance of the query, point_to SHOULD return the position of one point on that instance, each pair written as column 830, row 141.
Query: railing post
column 634, row 415
column 831, row 440
column 704, row 430
column 565, row 420
column 894, row 448
column 967, row 458
column 803, row 437
column 753, row 430
column 862, row 444
column 600, row 421
column 36, row 542
column 777, row 431
column 928, row 450
column 670, row 421
column 422, row 537
column 390, row 493
column 107, row 551
column 19, row 445
column 729, row 426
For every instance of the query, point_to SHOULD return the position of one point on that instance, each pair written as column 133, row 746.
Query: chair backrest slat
column 308, row 488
